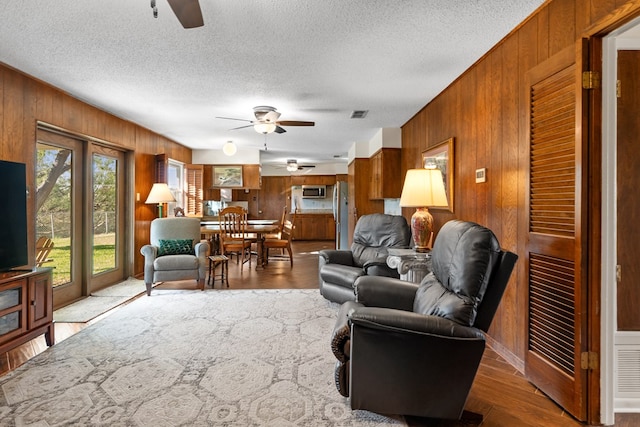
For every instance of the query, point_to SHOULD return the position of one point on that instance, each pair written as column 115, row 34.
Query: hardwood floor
column 500, row 393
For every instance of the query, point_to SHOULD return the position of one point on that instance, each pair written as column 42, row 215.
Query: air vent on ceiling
column 359, row 114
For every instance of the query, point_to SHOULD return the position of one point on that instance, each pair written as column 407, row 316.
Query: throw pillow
column 176, row 247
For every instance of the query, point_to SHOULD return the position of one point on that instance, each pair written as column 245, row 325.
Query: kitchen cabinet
column 359, row 202
column 386, row 179
column 251, row 177
column 26, row 307
column 251, row 180
column 314, row 227
column 313, row 180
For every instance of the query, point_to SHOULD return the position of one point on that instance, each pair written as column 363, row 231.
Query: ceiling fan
column 267, row 121
column 188, row 12
column 292, row 165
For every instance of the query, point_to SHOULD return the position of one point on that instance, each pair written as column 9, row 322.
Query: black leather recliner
column 412, row 349
column 372, row 236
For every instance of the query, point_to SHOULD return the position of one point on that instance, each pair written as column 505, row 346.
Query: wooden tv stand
column 26, row 307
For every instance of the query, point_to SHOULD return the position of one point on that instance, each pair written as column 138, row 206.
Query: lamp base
column 421, row 228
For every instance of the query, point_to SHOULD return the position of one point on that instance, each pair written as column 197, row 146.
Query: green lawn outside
column 103, row 250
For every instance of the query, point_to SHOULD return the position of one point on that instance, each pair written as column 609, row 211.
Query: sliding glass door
column 80, row 199
column 105, row 232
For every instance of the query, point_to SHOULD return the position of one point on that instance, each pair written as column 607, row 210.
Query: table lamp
column 422, row 188
column 160, row 194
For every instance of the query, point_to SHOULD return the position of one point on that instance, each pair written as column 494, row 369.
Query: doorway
column 620, row 345
column 80, row 206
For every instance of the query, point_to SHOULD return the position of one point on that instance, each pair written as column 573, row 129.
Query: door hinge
column 618, row 89
column 590, row 80
column 589, row 360
column 618, row 273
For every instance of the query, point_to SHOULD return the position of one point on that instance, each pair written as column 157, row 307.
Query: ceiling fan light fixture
column 264, row 128
column 292, row 165
column 229, row 148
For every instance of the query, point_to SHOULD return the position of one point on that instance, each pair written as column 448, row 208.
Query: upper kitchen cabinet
column 313, row 180
column 386, row 179
column 251, row 180
column 251, row 177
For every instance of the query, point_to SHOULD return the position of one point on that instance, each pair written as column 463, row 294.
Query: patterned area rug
column 191, row 358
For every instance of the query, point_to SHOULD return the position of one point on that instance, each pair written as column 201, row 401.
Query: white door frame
column 611, row 339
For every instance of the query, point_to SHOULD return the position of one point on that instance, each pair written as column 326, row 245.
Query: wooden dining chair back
column 233, row 235
column 278, row 234
column 44, row 245
column 284, row 242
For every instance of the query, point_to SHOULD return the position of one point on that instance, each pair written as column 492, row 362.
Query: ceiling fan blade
column 232, row 118
column 188, row 12
column 242, row 127
column 295, row 123
column 271, row 116
column 279, row 130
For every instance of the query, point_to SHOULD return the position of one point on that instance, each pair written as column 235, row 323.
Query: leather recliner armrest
column 378, row 267
column 388, row 292
column 409, row 322
column 341, row 335
column 337, row 256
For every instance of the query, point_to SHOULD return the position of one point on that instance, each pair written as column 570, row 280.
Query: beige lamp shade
column 160, row 194
column 423, row 188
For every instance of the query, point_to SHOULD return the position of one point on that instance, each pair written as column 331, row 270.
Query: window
column 175, row 180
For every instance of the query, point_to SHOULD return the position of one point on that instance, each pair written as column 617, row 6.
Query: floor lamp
column 160, row 194
column 422, row 188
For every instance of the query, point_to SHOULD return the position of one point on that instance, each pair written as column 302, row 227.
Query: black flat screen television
column 14, row 251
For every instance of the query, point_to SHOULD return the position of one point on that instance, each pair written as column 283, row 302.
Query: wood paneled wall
column 483, row 110
column 25, row 101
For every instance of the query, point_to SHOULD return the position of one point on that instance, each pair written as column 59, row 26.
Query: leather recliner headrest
column 376, row 232
column 462, row 260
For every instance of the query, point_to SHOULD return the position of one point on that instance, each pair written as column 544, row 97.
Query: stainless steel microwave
column 314, row 191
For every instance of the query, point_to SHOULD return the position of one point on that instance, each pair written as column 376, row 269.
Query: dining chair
column 233, row 236
column 278, row 234
column 284, row 242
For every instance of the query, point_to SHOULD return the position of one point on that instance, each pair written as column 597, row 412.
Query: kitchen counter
column 314, row 212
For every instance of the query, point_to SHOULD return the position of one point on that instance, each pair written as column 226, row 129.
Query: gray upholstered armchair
column 175, row 252
column 412, row 349
column 374, row 234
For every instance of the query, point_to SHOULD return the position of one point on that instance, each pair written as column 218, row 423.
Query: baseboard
column 506, row 354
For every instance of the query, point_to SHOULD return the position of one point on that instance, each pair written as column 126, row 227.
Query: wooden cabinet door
column 13, row 309
column 375, row 185
column 251, row 177
column 40, row 300
column 386, row 179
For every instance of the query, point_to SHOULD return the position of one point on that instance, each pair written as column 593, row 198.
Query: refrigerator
column 341, row 214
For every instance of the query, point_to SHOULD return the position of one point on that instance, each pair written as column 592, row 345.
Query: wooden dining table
column 210, row 230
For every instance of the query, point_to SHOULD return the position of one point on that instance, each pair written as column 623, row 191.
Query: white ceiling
column 312, row 60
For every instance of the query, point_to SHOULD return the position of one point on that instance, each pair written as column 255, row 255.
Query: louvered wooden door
column 194, row 190
column 556, row 296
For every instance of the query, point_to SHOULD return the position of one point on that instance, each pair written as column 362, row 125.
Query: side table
column 214, row 260
column 411, row 265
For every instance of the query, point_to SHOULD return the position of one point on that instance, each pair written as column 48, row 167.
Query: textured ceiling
column 312, row 60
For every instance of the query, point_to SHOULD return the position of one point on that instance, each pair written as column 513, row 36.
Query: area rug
column 100, row 302
column 191, row 358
